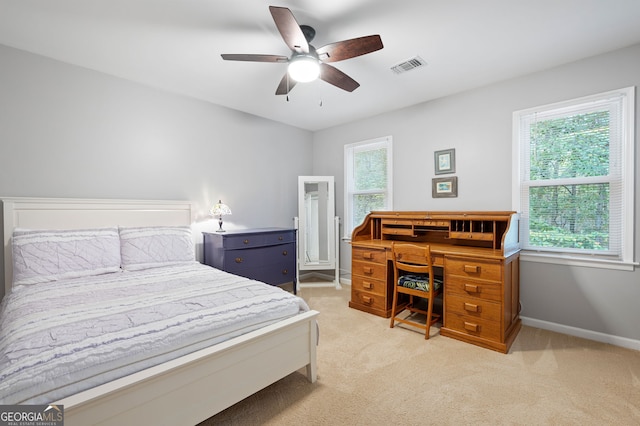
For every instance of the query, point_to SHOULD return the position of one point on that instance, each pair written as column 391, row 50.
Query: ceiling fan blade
column 254, row 58
column 346, row 49
column 289, row 29
column 285, row 86
column 333, row 75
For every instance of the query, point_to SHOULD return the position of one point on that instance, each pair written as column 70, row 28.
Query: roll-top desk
column 479, row 256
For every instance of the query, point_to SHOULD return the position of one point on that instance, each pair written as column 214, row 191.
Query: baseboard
column 585, row 334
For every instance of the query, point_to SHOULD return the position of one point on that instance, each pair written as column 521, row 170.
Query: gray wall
column 66, row 131
column 478, row 124
column 70, row 132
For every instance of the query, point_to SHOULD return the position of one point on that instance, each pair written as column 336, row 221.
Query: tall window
column 575, row 174
column 367, row 170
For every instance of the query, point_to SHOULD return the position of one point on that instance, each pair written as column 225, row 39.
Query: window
column 367, row 179
column 574, row 167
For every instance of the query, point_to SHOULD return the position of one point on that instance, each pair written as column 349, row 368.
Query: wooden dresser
column 267, row 254
column 478, row 254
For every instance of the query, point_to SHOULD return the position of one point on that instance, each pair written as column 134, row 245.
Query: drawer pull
column 471, row 288
column 367, row 255
column 246, row 241
column 239, row 260
column 470, row 307
column 367, row 285
column 367, row 270
column 469, row 326
column 285, row 271
column 366, row 300
column 472, row 269
column 280, row 238
column 284, row 252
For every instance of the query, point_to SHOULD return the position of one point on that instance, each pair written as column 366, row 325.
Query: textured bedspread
column 62, row 337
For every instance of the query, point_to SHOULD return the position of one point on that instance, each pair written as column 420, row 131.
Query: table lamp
column 220, row 209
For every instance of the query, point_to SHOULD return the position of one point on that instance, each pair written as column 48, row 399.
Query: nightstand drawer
column 368, row 255
column 237, row 260
column 463, row 286
column 249, row 240
column 473, row 268
column 369, row 285
column 270, row 274
column 368, row 269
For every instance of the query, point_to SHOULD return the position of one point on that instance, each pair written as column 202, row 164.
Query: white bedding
column 58, row 338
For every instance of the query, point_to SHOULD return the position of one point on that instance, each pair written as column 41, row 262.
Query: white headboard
column 68, row 213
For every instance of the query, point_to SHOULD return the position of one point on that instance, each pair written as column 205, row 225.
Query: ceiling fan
column 306, row 62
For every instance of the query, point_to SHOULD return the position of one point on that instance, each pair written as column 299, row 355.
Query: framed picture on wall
column 445, row 161
column 444, row 187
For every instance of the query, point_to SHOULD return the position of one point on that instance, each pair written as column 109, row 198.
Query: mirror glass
column 316, row 234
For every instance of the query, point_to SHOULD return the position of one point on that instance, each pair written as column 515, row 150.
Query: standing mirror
column 317, row 226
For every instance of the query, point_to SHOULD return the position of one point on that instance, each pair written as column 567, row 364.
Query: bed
column 211, row 373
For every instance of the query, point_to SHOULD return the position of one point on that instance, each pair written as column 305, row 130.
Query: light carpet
column 370, row 374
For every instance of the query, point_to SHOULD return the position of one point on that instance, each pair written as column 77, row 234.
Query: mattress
column 62, row 337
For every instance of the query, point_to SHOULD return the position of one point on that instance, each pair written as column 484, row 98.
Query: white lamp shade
column 220, row 209
column 304, row 69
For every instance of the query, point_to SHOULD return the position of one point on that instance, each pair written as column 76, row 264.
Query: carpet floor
column 370, row 374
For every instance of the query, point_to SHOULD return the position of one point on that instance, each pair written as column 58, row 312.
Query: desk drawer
column 473, row 308
column 472, row 326
column 371, row 300
column 474, row 268
column 369, row 285
column 463, row 286
column 368, row 255
column 370, row 270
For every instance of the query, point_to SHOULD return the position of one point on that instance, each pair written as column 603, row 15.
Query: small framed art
column 445, row 161
column 444, row 187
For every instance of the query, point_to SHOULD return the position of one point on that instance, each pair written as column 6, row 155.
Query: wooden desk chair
column 413, row 275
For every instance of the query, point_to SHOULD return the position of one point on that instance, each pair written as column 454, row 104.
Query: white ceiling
column 175, row 45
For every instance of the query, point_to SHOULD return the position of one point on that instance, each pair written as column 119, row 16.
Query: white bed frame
column 189, row 389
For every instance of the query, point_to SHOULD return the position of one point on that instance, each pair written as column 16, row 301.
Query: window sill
column 557, row 259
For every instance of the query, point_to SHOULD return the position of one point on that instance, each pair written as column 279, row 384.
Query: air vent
column 409, row 65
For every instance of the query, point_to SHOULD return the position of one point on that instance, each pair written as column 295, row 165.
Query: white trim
column 559, row 259
column 623, row 342
column 627, row 96
column 386, row 141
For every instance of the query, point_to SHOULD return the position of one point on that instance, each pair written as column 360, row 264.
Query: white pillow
column 155, row 246
column 51, row 255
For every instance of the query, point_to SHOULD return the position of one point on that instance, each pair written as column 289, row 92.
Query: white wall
column 67, row 131
column 478, row 124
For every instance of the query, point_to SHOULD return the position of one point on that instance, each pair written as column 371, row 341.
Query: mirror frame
column 330, row 223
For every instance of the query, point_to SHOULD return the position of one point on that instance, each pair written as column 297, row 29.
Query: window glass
column 367, row 180
column 575, row 181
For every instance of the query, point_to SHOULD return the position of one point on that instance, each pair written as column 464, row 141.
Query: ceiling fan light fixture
column 304, row 68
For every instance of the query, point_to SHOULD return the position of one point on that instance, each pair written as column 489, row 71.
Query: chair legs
column 430, row 317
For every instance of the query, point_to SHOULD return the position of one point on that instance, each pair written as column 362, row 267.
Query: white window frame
column 626, row 179
column 349, row 192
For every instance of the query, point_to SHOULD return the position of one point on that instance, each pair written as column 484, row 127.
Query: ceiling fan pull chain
column 287, row 86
